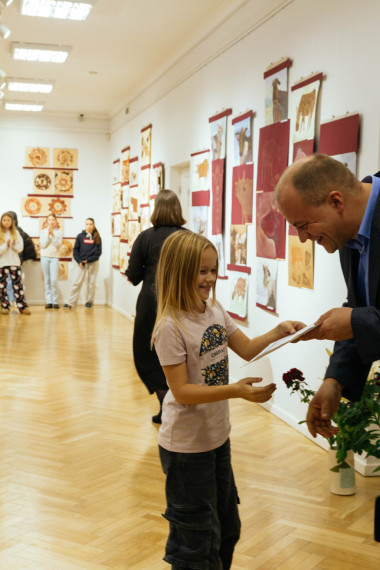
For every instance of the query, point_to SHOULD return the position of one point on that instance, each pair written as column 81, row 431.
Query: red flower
column 292, row 378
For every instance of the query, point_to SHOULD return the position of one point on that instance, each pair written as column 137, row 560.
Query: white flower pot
column 342, row 476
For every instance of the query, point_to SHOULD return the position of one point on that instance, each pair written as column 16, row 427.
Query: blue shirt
column 362, row 241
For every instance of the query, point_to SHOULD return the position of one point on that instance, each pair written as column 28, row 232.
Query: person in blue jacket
column 87, row 250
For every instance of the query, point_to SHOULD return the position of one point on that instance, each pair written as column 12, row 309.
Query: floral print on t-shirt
column 216, row 373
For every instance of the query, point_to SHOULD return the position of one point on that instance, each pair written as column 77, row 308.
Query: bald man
column 325, row 203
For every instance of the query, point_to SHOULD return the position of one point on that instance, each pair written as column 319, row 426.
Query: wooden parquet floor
column 80, row 482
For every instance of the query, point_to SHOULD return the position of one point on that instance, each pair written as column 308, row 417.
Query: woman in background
column 166, row 219
column 87, row 250
column 50, row 242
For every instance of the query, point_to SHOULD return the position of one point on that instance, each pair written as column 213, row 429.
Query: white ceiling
column 121, row 45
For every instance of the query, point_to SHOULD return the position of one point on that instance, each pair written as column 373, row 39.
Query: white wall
column 91, row 188
column 341, row 40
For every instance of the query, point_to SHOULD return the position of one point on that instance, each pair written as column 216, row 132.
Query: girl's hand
column 9, row 243
column 287, row 328
column 253, row 394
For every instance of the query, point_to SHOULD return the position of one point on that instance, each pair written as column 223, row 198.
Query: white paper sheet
column 278, row 343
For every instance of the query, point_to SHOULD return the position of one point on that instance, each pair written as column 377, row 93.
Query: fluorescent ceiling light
column 40, row 52
column 29, row 85
column 57, row 9
column 23, row 106
column 6, row 2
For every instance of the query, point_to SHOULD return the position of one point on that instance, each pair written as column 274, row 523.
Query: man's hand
column 322, row 407
column 333, row 325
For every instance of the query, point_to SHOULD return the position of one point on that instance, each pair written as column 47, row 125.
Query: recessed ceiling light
column 22, row 106
column 57, row 9
column 40, row 52
column 30, row 85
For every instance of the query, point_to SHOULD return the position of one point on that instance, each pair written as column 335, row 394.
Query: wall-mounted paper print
column 63, row 270
column 273, row 155
column 37, row 247
column 217, row 240
column 349, row 159
column 116, row 171
column 200, row 171
column 116, row 252
column 158, row 178
column 37, row 157
column 123, row 256
column 133, row 171
column 66, row 250
column 146, row 145
column 116, row 224
column 124, row 224
column 242, row 126
column 270, row 227
column 117, row 197
column 304, row 105
column 144, row 218
column 339, row 136
column 266, row 284
column 42, row 224
column 65, row 158
column 134, row 202
column 125, row 195
column 64, row 182
column 133, row 232
column 199, row 218
column 43, row 181
column 217, row 196
column 238, row 245
column 242, row 194
column 144, row 185
column 238, row 295
column 302, row 149
column 301, row 261
column 43, row 206
column 276, row 92
column 218, row 137
column 125, row 155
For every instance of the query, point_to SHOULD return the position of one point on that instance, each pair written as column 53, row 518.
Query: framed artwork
column 43, row 206
column 218, row 128
column 116, row 224
column 66, row 250
column 133, row 232
column 273, row 155
column 304, row 106
column 117, row 197
column 43, row 182
column 124, row 224
column 144, row 218
column 158, row 178
column 266, row 284
column 144, row 184
column 125, row 155
column 65, row 158
column 134, row 202
column 133, row 171
column 270, row 227
column 37, row 157
column 116, row 176
column 300, row 261
column 242, row 194
column 217, row 209
column 199, row 219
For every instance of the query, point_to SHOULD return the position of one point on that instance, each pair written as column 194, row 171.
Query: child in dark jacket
column 87, row 250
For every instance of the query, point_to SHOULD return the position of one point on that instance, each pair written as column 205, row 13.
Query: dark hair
column 95, row 233
column 315, row 176
column 167, row 210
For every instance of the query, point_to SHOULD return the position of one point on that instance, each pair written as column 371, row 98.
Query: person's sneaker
column 5, row 311
column 88, row 305
column 25, row 311
column 49, row 306
column 55, row 306
column 66, row 306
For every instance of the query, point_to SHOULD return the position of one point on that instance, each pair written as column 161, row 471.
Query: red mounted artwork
column 273, row 155
column 242, row 194
column 276, row 91
column 217, row 195
column 339, row 139
column 270, row 228
column 302, row 149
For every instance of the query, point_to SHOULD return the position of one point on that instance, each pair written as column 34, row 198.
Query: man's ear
column 336, row 200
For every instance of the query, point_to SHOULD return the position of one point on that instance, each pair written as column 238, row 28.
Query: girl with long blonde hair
column 11, row 244
column 192, row 335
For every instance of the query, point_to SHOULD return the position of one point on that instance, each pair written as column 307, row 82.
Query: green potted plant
column 358, row 422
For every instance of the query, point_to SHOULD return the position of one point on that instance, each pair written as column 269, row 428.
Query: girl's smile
column 207, row 274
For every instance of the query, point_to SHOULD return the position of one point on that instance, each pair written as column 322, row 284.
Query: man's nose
column 303, row 236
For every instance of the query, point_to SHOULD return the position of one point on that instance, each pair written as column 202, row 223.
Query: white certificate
column 278, row 343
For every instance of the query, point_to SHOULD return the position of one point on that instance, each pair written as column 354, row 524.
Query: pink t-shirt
column 201, row 342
